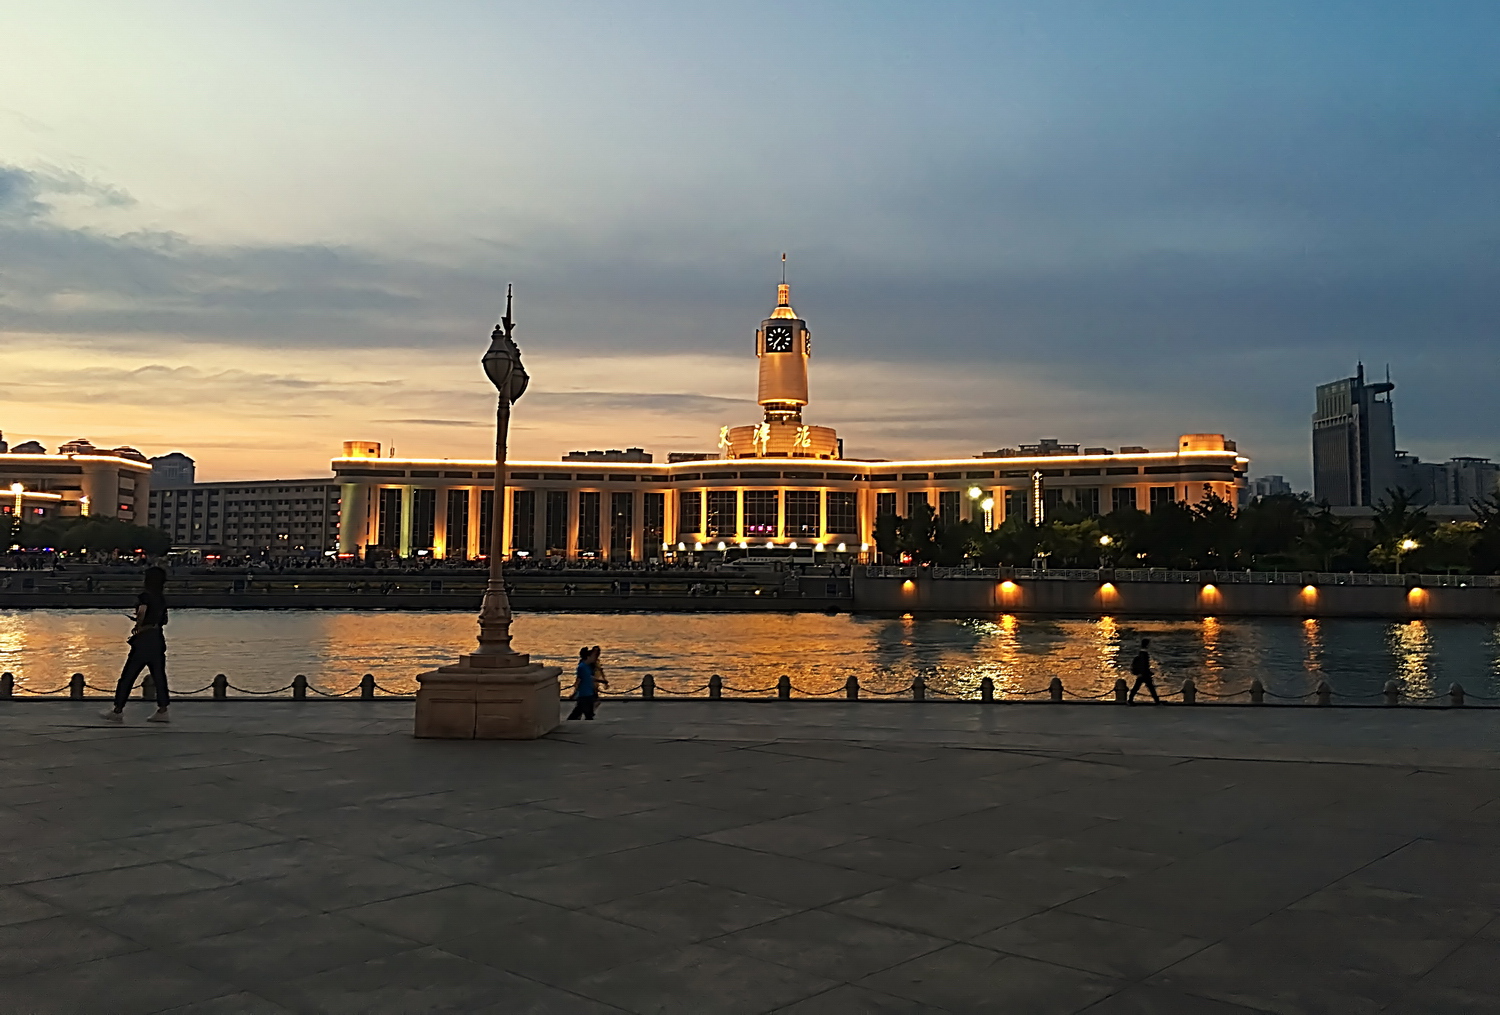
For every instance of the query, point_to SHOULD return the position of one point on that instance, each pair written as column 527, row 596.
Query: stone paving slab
column 751, row 857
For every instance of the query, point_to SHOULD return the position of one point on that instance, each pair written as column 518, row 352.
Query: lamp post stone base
column 488, row 697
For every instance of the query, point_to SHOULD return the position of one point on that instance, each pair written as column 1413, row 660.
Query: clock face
column 779, row 338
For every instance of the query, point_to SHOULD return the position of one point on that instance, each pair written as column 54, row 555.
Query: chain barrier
column 817, row 694
column 971, row 694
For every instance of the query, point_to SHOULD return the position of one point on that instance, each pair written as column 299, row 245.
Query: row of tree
column 94, row 533
column 1277, row 533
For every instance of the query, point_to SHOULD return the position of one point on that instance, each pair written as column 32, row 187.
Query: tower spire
column 783, row 291
column 506, row 324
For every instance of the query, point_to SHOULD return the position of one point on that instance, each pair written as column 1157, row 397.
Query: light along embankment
column 948, row 592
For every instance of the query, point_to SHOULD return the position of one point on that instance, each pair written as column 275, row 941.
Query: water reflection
column 1411, row 645
column 262, row 651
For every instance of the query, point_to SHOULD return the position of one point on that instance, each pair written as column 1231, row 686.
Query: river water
column 262, row 650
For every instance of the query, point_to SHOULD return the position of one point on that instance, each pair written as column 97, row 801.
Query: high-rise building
column 172, row 470
column 1270, row 486
column 1354, row 442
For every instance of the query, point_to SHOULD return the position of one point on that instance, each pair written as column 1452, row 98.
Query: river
column 262, row 650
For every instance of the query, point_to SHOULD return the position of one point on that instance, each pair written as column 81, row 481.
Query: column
column 354, row 517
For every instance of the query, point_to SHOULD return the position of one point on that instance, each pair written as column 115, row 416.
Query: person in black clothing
column 148, row 648
column 1141, row 667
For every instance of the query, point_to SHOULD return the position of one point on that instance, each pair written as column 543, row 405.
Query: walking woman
column 148, row 648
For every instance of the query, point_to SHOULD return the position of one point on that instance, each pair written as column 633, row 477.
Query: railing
column 918, row 690
column 1482, row 581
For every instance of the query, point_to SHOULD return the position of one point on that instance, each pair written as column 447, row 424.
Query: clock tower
column 783, row 344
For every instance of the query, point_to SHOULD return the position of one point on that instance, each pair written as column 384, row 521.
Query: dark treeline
column 1283, row 532
column 95, row 533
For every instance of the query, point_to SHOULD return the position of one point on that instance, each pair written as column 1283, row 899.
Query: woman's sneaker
column 160, row 715
column 110, row 715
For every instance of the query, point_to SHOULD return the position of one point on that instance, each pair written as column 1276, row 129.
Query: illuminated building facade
column 78, row 480
column 778, row 487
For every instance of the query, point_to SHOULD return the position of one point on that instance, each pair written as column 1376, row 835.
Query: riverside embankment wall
column 958, row 596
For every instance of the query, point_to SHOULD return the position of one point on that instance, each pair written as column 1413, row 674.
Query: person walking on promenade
column 1141, row 667
column 586, row 686
column 148, row 648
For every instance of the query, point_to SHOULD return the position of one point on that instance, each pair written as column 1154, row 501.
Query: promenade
column 730, row 857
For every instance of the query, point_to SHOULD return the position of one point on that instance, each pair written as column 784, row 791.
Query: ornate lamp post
column 494, row 693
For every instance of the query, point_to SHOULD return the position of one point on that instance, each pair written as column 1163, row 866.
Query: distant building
column 172, row 470
column 257, row 518
column 79, row 480
column 612, row 455
column 1470, row 479
column 1354, row 442
column 1270, row 486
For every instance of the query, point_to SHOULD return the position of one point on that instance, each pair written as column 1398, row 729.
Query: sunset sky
column 252, row 231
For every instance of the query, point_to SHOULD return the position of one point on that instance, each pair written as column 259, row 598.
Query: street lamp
column 1105, row 542
column 986, row 504
column 1405, row 546
column 494, row 693
column 988, row 507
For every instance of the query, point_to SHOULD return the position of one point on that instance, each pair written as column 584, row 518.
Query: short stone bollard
column 367, row 687
column 75, row 687
column 148, row 688
column 1392, row 693
column 1257, row 692
column 7, row 685
column 784, row 687
column 918, row 688
column 221, row 686
column 716, row 686
column 1325, row 693
column 299, row 687
column 851, row 688
column 1189, row 692
column 1456, row 695
column 1054, row 689
column 648, row 686
column 987, row 691
column 1122, row 692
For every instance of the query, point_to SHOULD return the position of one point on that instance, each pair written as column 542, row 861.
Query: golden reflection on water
column 1312, row 640
column 264, row 650
column 1213, row 666
column 1411, row 645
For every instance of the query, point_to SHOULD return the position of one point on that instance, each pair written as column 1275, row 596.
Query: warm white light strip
column 794, row 463
column 9, row 458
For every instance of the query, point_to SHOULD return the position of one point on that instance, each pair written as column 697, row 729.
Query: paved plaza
column 265, row 857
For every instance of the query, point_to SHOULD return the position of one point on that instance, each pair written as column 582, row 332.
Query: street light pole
column 502, row 364
column 495, row 692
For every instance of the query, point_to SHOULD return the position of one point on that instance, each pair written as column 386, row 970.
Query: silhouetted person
column 1141, row 667
column 148, row 648
column 585, row 687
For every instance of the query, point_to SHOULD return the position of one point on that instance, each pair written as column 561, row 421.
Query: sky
column 251, row 231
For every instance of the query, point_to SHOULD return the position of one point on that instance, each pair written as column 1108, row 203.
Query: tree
column 1398, row 525
column 94, row 533
column 1216, row 534
column 1329, row 541
column 1272, row 528
column 1485, row 554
